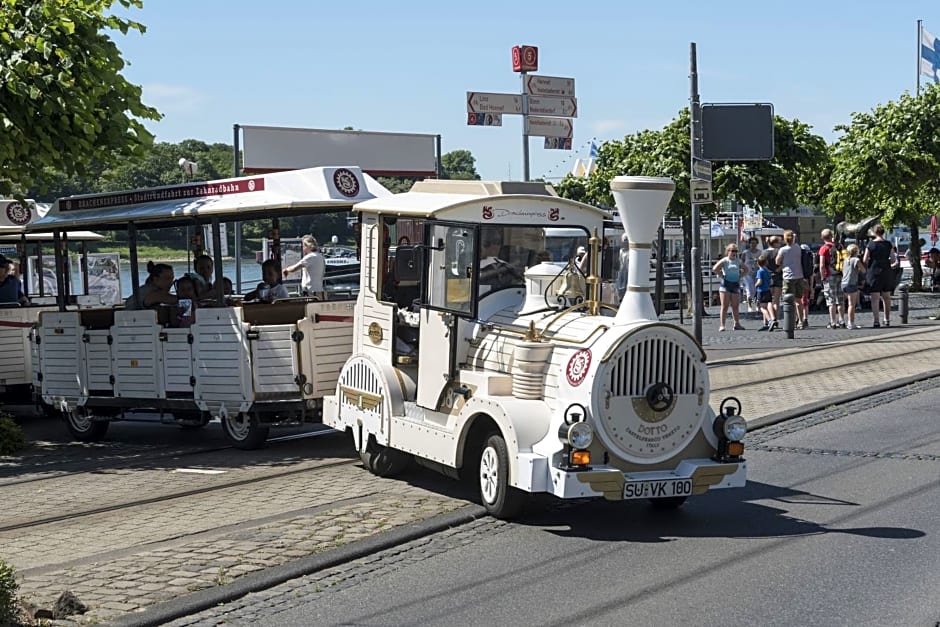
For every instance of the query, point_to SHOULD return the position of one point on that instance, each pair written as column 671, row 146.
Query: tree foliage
column 886, row 163
column 459, row 164
column 64, row 103
column 795, row 174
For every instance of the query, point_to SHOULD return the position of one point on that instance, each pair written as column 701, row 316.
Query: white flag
column 717, row 231
column 929, row 55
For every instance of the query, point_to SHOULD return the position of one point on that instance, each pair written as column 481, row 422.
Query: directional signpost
column 702, row 169
column 482, row 102
column 548, row 127
column 546, row 104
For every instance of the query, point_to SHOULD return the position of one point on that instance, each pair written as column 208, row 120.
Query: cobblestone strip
column 263, row 606
column 87, row 536
column 64, row 495
column 127, row 584
column 768, row 434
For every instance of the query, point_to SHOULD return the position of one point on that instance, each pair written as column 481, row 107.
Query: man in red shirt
column 832, row 280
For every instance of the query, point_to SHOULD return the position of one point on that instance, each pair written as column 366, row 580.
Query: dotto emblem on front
column 578, row 366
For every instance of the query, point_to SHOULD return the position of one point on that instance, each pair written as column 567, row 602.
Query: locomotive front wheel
column 499, row 498
column 244, row 431
column 382, row 461
column 83, row 427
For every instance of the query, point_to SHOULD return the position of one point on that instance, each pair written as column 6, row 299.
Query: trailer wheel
column 499, row 498
column 383, row 461
column 83, row 427
column 668, row 503
column 244, row 431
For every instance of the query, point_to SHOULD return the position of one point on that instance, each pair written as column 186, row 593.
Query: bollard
column 788, row 309
column 904, row 305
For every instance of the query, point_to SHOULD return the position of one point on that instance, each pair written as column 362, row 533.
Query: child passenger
column 271, row 288
column 187, row 297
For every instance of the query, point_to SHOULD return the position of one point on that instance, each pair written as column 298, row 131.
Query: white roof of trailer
column 434, row 198
column 243, row 198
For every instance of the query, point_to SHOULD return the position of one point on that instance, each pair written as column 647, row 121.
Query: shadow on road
column 732, row 514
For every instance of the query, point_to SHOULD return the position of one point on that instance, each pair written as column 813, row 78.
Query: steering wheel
column 404, row 241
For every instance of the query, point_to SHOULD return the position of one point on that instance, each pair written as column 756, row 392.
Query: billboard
column 738, row 132
column 273, row 149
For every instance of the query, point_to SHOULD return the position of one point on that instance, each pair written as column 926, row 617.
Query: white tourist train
column 250, row 365
column 480, row 356
column 26, row 251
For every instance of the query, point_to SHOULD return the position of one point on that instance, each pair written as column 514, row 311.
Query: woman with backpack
column 878, row 259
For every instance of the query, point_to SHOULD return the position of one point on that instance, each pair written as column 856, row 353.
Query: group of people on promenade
column 785, row 267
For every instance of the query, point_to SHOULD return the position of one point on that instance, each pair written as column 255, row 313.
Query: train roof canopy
column 15, row 216
column 296, row 192
column 486, row 202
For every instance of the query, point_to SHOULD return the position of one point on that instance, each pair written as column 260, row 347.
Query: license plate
column 662, row 488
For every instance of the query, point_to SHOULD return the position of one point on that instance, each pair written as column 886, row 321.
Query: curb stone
column 253, row 582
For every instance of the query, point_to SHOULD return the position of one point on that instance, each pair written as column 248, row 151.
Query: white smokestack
column 642, row 202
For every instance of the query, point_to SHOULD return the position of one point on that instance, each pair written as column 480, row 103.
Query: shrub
column 8, row 587
column 11, row 436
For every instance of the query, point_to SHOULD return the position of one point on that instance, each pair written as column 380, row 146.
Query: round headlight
column 580, row 435
column 735, row 428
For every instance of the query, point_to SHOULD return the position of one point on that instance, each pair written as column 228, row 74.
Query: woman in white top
column 312, row 266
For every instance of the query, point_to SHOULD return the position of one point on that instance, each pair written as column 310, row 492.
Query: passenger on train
column 11, row 289
column 202, row 277
column 187, row 297
column 156, row 289
column 313, row 266
column 271, row 288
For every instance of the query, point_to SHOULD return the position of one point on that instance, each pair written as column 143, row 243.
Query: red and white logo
column 19, row 214
column 578, row 366
column 346, row 183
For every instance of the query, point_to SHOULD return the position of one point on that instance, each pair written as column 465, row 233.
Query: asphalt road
column 836, row 527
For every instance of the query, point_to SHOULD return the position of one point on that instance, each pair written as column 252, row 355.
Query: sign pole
column 696, row 150
column 525, row 125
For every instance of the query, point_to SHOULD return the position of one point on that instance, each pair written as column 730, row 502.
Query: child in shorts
column 762, row 283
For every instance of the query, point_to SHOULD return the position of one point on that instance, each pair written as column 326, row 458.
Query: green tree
column 795, row 174
column 64, row 103
column 460, row 165
column 886, row 162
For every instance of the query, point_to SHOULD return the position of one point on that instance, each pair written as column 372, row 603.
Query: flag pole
column 920, row 35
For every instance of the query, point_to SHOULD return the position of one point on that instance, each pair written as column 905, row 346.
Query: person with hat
column 11, row 289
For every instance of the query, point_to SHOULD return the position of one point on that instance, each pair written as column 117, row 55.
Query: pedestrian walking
column 730, row 269
column 749, row 258
column 852, row 269
column 878, row 259
column 830, row 272
column 776, row 275
column 790, row 261
column 762, row 283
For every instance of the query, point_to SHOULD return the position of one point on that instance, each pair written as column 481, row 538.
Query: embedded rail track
column 119, row 485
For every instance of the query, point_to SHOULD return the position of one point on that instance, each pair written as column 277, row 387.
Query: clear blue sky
column 406, row 66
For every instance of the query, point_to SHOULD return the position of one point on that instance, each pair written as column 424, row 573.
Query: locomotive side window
column 451, row 268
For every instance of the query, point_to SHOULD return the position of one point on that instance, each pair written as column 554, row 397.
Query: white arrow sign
column 566, row 107
column 482, row 102
column 549, row 85
column 548, row 127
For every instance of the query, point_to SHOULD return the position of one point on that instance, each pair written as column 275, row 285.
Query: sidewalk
column 124, row 561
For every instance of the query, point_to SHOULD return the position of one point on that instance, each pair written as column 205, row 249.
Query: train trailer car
column 17, row 320
column 250, row 365
column 479, row 356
